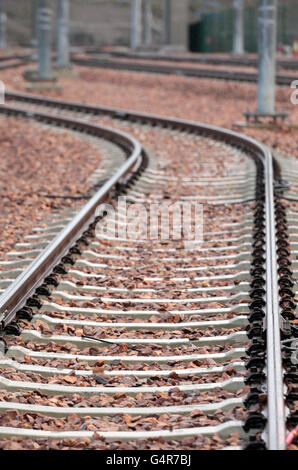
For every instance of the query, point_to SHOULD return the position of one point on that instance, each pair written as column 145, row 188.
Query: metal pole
column 136, row 23
column 238, row 47
column 44, row 38
column 3, row 21
column 148, row 22
column 33, row 23
column 267, row 56
column 63, row 59
column 167, row 18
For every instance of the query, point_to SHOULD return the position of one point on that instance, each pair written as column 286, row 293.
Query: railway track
column 187, row 71
column 109, row 338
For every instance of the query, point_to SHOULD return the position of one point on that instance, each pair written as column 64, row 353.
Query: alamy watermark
column 178, row 221
column 294, row 95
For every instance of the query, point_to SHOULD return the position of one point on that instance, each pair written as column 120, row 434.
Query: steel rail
column 276, row 408
column 25, row 285
column 284, row 80
column 11, row 65
column 193, row 58
column 276, row 405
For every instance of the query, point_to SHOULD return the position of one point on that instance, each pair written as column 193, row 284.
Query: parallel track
column 187, row 71
column 247, row 253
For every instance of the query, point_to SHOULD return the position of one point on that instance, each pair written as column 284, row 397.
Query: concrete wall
column 108, row 21
column 100, row 22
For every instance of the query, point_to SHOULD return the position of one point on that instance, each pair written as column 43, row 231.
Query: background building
column 200, row 25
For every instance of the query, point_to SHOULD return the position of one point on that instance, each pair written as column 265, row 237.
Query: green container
column 214, row 33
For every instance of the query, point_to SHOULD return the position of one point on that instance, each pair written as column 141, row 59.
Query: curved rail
column 276, row 407
column 196, row 59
